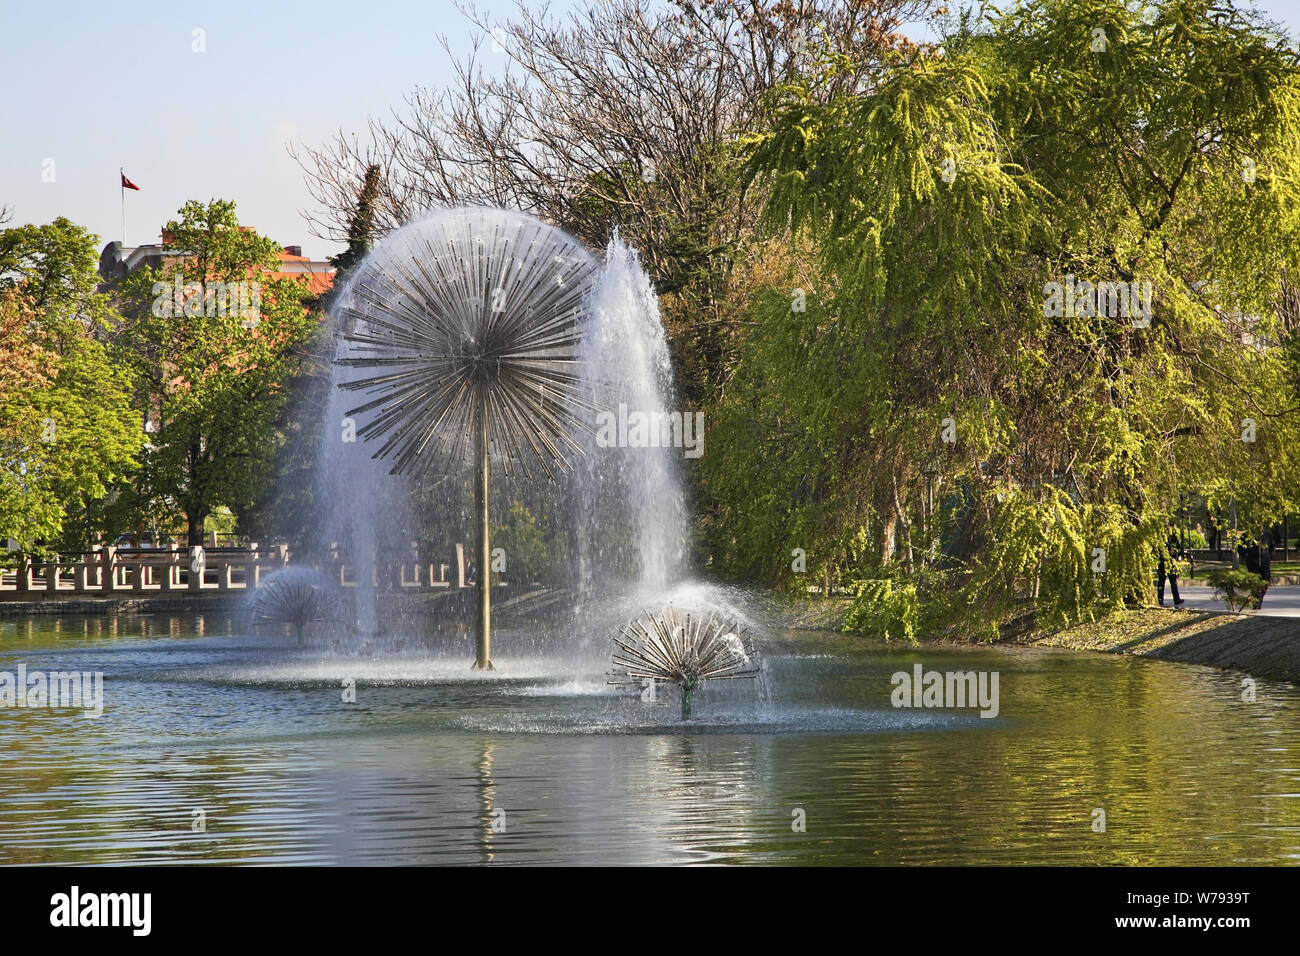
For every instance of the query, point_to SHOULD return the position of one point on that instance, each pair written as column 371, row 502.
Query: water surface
column 543, row 763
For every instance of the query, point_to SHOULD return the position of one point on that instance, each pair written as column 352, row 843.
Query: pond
column 217, row 745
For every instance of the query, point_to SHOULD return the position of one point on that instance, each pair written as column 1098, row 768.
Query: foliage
column 68, row 433
column 212, row 373
column 952, row 419
column 885, row 607
column 287, row 505
column 622, row 114
column 532, row 553
column 1237, row 589
column 361, row 228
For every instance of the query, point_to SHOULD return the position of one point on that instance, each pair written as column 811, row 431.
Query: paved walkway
column 1282, row 600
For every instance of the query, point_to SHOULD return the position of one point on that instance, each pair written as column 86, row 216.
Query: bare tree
column 627, row 114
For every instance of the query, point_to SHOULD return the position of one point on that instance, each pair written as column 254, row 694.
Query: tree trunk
column 1232, row 538
column 887, row 538
column 194, row 520
column 907, row 526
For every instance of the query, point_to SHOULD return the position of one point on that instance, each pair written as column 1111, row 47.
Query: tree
column 1009, row 431
column 361, row 229
column 286, row 506
column 213, row 341
column 68, row 432
column 285, row 509
column 623, row 116
column 54, row 266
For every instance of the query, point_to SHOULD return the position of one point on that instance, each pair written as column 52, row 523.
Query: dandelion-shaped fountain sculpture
column 294, row 596
column 664, row 648
column 471, row 319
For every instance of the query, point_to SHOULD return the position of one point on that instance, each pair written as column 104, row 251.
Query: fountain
column 487, row 340
column 634, row 494
column 664, row 648
column 469, row 322
column 294, row 596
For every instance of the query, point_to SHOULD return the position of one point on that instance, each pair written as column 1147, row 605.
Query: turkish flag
column 127, row 184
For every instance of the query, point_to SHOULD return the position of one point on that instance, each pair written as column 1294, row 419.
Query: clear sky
column 95, row 86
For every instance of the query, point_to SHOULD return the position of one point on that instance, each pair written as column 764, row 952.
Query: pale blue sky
column 97, row 86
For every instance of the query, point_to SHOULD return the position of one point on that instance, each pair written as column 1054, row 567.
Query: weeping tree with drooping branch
column 1015, row 459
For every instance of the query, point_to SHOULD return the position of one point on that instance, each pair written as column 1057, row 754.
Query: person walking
column 1265, row 562
column 1167, row 568
column 1258, row 559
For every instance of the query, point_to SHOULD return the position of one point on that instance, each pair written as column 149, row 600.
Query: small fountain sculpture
column 294, row 596
column 665, row 648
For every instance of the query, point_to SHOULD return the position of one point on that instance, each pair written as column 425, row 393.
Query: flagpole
column 121, row 173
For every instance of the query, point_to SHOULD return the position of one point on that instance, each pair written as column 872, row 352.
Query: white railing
column 113, row 570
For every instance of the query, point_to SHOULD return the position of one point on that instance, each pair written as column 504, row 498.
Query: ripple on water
column 258, row 737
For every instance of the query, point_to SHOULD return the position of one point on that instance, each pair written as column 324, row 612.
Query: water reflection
column 544, row 764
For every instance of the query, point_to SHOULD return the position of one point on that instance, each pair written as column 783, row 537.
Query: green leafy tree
column 951, row 390
column 68, row 432
column 213, row 341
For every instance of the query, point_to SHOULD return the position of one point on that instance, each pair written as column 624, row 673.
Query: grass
column 1276, row 569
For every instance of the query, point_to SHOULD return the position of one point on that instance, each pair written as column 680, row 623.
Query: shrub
column 886, row 608
column 1237, row 589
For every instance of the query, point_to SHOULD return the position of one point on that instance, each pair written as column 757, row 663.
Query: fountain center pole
column 483, row 656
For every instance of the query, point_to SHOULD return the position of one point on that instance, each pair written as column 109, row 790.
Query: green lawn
column 1276, row 568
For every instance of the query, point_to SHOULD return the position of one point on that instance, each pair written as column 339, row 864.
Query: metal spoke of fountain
column 470, row 321
column 466, row 310
column 686, row 651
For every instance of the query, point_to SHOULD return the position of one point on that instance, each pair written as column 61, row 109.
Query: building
column 117, row 261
